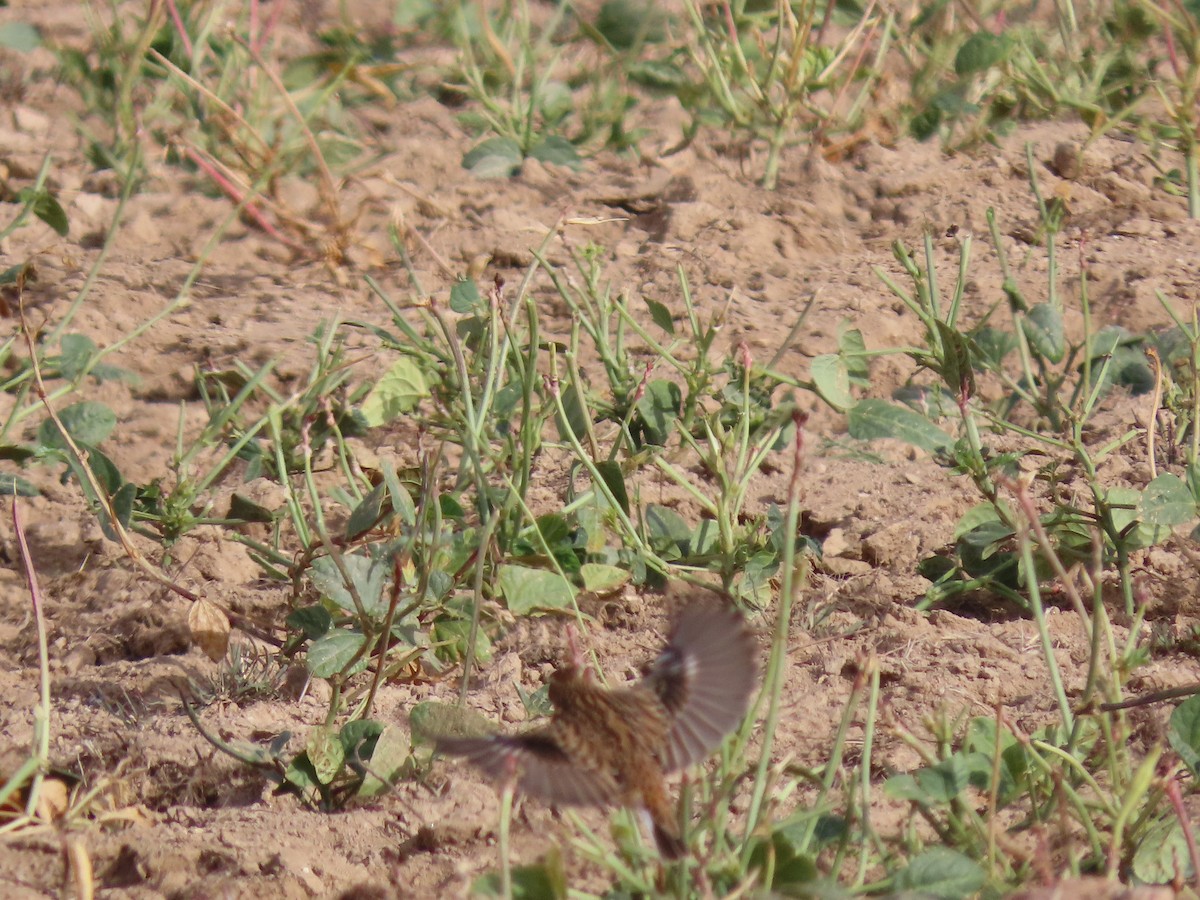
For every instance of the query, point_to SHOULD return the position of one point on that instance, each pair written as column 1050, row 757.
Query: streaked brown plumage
column 605, row 747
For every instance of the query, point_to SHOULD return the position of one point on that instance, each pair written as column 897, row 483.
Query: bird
column 606, row 747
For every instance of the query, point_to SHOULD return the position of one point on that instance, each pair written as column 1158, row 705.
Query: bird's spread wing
column 704, row 678
column 540, row 765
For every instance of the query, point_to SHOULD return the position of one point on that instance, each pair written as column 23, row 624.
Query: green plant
column 774, row 72
column 1179, row 92
column 975, row 74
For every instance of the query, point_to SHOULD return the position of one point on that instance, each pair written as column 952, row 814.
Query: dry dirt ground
column 184, row 820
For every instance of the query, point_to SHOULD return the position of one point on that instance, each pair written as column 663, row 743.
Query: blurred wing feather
column 704, row 678
column 542, row 768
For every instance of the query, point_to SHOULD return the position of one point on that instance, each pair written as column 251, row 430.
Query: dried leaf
column 53, row 799
column 210, row 629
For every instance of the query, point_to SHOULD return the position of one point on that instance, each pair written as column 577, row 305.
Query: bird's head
column 573, row 672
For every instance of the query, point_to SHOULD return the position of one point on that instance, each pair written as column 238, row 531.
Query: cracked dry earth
column 177, row 819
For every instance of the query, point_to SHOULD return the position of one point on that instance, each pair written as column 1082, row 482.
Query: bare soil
column 175, row 818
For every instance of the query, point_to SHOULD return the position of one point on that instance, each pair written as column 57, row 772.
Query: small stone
column 1066, row 160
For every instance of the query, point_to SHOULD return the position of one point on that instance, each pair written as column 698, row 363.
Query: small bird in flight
column 605, row 747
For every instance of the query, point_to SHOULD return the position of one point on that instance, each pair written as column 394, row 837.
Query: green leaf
column 77, row 351
column 388, row 761
column 330, row 654
column 957, row 368
column 832, row 380
column 15, row 486
column 364, row 516
column 939, row 783
column 981, row 51
column 1184, row 732
column 497, row 157
column 367, row 575
column 465, row 297
column 47, row 208
column 87, row 422
column 451, row 635
column 871, row 419
column 659, row 408
column 1167, row 501
column 626, row 24
column 19, row 36
column 602, row 579
column 526, row 590
column 660, row 315
column 246, row 510
column 313, row 620
column 666, row 528
column 575, row 421
column 543, row 881
column 326, row 753
column 853, row 350
column 1163, row 855
column 614, row 479
column 358, row 738
column 402, row 501
column 122, row 506
column 980, row 514
column 399, row 391
column 941, row 872
column 433, row 719
column 557, row 151
column 1043, row 328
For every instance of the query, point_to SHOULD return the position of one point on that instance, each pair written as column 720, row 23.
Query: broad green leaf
column 122, row 505
column 661, row 76
column 367, row 575
column 555, row 102
column 497, row 157
column 364, row 516
column 1167, row 501
column 660, row 315
column 105, row 470
column 433, row 719
column 388, row 761
column 958, row 370
column 557, row 151
column 77, row 351
column 402, row 501
column 1163, row 855
column 614, row 480
column 465, row 297
column 19, row 36
column 832, row 380
column 15, row 486
column 87, row 422
column 666, row 529
column 1184, row 732
column 47, row 208
column 627, row 23
column 943, row 873
column 853, row 350
column 330, row 654
column 358, row 738
column 979, row 514
column 871, row 419
column 526, row 590
column 325, row 752
column 599, row 578
column 246, row 510
column 981, row 51
column 576, row 420
column 659, row 408
column 939, row 783
column 1043, row 329
column 399, row 391
column 313, row 620
column 542, row 881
